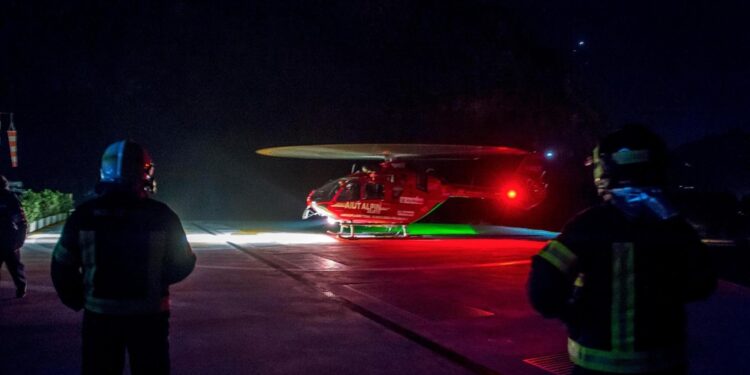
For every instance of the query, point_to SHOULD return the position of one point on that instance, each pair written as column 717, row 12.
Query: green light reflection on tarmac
column 423, row 229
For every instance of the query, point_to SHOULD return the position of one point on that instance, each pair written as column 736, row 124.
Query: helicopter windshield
column 326, row 192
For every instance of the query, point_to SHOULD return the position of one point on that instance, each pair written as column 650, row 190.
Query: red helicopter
column 397, row 192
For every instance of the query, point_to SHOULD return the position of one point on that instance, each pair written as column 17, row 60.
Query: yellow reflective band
column 579, row 281
column 87, row 244
column 127, row 306
column 625, row 362
column 630, row 301
column 623, row 297
column 559, row 256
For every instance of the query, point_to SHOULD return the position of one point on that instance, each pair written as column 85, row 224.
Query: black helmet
column 128, row 166
column 631, row 156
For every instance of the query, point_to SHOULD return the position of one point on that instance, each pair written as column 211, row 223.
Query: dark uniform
column 116, row 258
column 620, row 273
column 13, row 228
column 621, row 286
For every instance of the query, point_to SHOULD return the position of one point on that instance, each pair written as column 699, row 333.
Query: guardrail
column 46, row 221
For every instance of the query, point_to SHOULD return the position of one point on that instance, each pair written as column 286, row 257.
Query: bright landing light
column 282, row 238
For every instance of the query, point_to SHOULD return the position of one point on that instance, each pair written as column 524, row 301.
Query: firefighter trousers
column 106, row 339
column 12, row 260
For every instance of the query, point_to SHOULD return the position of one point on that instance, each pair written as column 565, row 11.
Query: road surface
column 274, row 298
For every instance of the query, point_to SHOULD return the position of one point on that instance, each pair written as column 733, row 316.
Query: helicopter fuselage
column 397, row 195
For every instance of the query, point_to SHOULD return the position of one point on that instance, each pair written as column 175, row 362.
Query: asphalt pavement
column 270, row 298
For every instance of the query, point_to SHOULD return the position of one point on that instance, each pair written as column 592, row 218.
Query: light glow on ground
column 43, row 238
column 282, row 238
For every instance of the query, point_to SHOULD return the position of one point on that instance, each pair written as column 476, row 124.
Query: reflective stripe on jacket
column 118, row 254
column 625, row 362
column 621, row 286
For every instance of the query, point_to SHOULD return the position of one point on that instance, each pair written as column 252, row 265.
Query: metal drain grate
column 558, row 364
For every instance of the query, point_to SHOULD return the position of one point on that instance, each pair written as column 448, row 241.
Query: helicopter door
column 350, row 191
column 374, row 190
column 374, row 194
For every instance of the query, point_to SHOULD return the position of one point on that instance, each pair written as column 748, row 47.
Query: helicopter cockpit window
column 350, row 191
column 326, row 192
column 374, row 191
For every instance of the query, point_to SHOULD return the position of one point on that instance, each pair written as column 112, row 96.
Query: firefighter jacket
column 620, row 284
column 118, row 254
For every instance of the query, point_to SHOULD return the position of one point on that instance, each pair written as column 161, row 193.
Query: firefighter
column 13, row 228
column 116, row 258
column 620, row 273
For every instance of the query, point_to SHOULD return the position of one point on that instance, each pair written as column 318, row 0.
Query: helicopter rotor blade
column 388, row 152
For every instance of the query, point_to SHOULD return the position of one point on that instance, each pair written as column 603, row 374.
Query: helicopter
column 402, row 189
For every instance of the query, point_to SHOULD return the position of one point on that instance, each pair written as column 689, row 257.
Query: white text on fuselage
column 370, row 208
column 411, row 200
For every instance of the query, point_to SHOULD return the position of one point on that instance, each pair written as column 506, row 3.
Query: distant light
column 549, row 154
column 512, row 194
column 581, row 43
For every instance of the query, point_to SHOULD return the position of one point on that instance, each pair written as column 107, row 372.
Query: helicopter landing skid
column 347, row 231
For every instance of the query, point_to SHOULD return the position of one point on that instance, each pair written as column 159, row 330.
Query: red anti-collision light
column 511, row 194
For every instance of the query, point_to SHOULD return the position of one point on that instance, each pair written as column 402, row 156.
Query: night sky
column 202, row 85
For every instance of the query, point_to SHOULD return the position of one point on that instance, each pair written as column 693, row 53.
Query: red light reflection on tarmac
column 485, row 244
column 431, row 254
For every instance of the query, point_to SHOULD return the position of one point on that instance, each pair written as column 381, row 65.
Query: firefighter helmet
column 631, row 156
column 128, row 165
